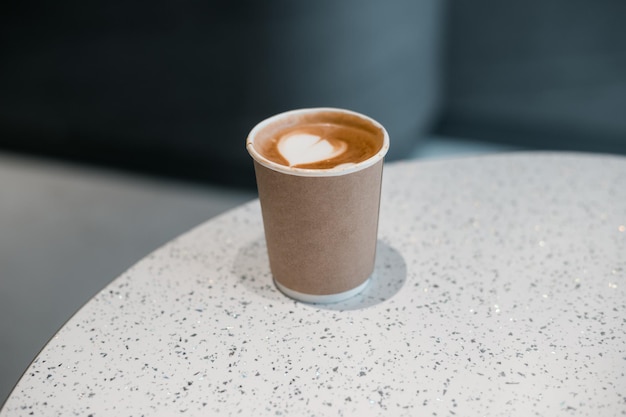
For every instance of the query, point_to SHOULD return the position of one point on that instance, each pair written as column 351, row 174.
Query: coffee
column 319, row 177
column 323, row 140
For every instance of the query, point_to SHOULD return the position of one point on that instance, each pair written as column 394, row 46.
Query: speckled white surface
column 500, row 289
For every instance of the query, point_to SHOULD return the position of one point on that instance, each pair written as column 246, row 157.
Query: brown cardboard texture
column 321, row 231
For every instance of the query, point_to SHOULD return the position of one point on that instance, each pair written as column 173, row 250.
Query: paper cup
column 321, row 225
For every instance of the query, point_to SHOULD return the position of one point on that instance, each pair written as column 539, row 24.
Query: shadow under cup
column 321, row 225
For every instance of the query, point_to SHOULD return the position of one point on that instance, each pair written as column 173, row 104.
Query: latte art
column 320, row 141
column 301, row 148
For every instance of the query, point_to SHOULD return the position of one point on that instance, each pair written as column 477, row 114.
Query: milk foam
column 305, row 148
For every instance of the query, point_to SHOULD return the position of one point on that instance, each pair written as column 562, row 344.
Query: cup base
column 321, row 299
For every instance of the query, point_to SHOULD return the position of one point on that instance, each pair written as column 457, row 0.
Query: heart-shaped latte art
column 304, row 148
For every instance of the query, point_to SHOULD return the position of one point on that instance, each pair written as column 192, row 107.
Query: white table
column 500, row 289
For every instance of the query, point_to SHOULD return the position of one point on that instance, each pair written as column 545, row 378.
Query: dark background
column 547, row 74
column 172, row 88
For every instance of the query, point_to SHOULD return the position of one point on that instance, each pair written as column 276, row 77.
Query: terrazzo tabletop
column 499, row 289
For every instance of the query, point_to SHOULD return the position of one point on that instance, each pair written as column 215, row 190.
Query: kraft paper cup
column 321, row 225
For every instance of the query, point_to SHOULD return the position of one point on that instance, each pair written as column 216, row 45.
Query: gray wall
column 174, row 87
column 547, row 73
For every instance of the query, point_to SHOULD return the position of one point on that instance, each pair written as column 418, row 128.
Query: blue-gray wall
column 546, row 73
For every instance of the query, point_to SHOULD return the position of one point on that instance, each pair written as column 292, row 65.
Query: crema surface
column 320, row 141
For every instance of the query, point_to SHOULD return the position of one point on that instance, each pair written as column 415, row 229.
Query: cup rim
column 307, row 172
